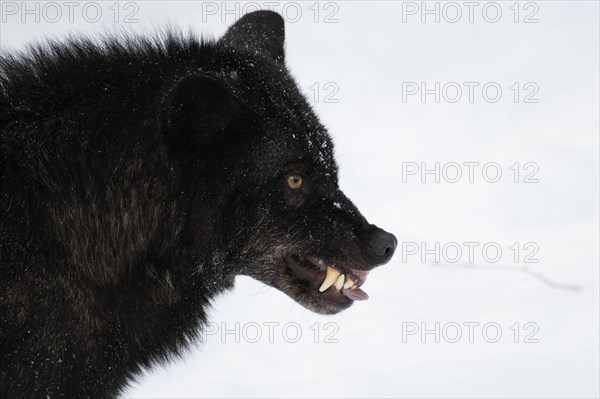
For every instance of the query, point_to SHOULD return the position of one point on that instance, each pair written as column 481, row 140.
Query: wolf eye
column 294, row 181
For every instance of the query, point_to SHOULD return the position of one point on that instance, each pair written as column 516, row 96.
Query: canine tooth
column 321, row 262
column 339, row 283
column 330, row 278
column 349, row 283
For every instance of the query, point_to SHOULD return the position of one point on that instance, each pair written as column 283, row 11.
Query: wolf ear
column 262, row 31
column 199, row 109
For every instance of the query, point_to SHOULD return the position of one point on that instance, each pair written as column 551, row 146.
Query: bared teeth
column 349, row 283
column 339, row 283
column 331, row 277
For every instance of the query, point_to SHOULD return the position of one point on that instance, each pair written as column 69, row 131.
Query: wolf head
column 246, row 138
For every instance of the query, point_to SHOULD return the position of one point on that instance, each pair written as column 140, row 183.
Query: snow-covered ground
column 370, row 60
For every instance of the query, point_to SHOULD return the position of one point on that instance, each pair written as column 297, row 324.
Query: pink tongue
column 356, row 294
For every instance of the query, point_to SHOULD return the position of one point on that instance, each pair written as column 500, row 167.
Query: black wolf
column 139, row 177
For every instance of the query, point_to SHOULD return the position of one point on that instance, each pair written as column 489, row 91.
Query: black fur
column 139, row 177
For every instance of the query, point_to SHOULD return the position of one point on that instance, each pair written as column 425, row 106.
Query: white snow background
column 368, row 53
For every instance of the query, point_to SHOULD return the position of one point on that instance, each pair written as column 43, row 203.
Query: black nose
column 383, row 244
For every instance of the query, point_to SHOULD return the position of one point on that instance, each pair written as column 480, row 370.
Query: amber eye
column 294, row 181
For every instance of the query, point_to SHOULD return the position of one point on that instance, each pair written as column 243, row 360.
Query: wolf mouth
column 330, row 279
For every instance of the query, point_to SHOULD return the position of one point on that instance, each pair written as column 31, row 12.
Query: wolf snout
column 382, row 244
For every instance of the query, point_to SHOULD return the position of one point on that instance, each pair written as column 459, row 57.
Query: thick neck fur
column 131, row 273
